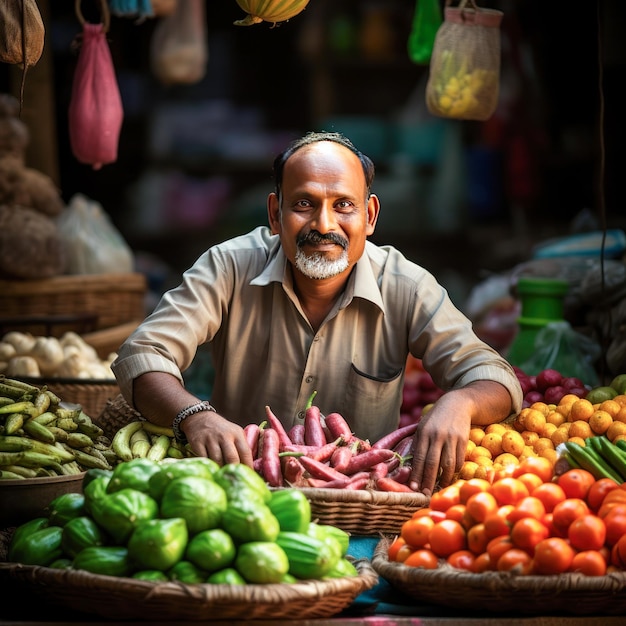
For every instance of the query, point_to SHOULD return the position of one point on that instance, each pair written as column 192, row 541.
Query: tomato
column 404, row 552
column 564, row 513
column 456, row 512
column 538, row 465
column 422, row 558
column 436, row 516
column 553, row 555
column 614, row 495
column 598, row 491
column 611, row 507
column 447, row 537
column 532, row 481
column 509, row 490
column 527, row 507
column 550, row 494
column 462, row 559
column 615, row 524
column 443, row 499
column 477, row 538
column 497, row 547
column 515, row 559
column 481, row 504
column 618, row 552
column 482, row 563
column 415, row 532
column 497, row 524
column 471, row 486
column 589, row 563
column 395, row 546
column 587, row 532
column 528, row 532
column 576, row 482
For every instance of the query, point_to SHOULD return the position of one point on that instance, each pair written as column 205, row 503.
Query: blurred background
column 468, row 200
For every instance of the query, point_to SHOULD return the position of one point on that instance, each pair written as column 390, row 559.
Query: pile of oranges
column 538, row 430
column 526, row 521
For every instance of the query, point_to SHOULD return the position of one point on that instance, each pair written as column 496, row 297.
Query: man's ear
column 273, row 213
column 373, row 208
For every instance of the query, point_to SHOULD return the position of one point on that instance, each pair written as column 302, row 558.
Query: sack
column 558, row 346
column 179, row 47
column 91, row 242
column 95, row 111
column 426, row 22
column 464, row 78
column 22, row 32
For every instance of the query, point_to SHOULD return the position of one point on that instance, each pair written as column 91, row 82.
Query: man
column 310, row 305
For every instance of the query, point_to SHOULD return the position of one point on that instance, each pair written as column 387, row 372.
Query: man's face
column 324, row 215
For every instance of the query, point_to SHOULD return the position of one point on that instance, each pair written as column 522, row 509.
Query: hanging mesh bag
column 464, row 78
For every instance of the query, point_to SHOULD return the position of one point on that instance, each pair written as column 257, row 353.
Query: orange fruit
column 581, row 409
column 615, row 430
column 611, row 407
column 476, row 435
column 580, row 429
column 513, row 443
column 492, row 442
column 535, row 420
column 600, row 421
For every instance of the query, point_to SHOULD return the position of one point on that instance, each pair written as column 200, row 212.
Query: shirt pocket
column 371, row 404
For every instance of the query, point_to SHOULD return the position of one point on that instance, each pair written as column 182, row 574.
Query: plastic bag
column 558, row 346
column 426, row 22
column 95, row 111
column 464, row 78
column 92, row 243
column 179, row 46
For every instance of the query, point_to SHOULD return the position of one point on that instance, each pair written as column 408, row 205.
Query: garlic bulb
column 22, row 342
column 23, row 366
column 48, row 353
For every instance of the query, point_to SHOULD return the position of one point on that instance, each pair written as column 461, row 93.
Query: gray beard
column 317, row 267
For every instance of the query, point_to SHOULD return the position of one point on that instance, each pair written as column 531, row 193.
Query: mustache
column 315, row 237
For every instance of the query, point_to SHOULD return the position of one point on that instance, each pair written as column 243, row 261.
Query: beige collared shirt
column 239, row 297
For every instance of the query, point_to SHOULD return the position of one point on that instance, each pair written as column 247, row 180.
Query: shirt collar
column 362, row 282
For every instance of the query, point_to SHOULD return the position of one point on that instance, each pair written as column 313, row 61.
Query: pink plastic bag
column 95, row 112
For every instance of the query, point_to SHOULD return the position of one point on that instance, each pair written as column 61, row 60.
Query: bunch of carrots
column 323, row 452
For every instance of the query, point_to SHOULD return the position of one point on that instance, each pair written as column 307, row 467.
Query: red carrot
column 319, row 453
column 342, row 483
column 293, row 471
column 320, row 470
column 341, row 457
column 272, row 471
column 276, row 424
column 389, row 484
column 358, row 483
column 391, row 439
column 378, row 471
column 313, row 432
column 366, row 460
column 252, row 433
column 296, row 434
column 338, row 426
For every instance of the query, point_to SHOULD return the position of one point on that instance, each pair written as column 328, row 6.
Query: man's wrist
column 192, row 409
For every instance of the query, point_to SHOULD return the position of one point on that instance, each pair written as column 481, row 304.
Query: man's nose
column 324, row 219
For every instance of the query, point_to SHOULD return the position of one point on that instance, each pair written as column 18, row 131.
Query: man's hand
column 212, row 435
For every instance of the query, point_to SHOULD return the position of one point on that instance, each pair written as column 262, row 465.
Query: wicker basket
column 129, row 598
column 92, row 395
column 113, row 298
column 364, row 512
column 504, row 591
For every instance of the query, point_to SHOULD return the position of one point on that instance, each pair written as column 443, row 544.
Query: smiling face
column 324, row 214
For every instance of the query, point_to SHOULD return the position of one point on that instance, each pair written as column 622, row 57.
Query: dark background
column 547, row 163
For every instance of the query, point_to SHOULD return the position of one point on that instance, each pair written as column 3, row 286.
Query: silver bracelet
column 192, row 409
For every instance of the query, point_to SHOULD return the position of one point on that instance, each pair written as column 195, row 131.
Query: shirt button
column 301, row 415
column 316, row 338
column 309, row 379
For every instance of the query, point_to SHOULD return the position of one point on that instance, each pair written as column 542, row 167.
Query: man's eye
column 344, row 205
column 302, row 204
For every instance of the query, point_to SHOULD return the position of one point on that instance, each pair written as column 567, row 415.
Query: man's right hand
column 212, row 435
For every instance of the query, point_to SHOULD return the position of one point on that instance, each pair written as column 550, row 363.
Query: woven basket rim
column 54, row 380
column 364, row 496
column 497, row 591
column 160, row 600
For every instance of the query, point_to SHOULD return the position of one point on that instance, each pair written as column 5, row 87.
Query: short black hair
column 311, row 138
